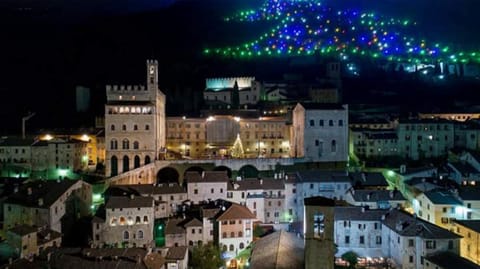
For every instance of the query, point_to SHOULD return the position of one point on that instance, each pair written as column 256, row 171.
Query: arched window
column 140, row 234
column 334, row 145
column 137, row 220
column 124, row 127
column 126, row 163
column 113, row 221
column 145, row 219
column 231, row 248
column 126, row 235
column 122, row 220
column 129, row 220
column 113, row 144
column 240, row 234
column 125, row 144
column 147, row 127
column 136, row 161
column 224, row 235
column 147, row 159
column 232, row 234
column 136, row 145
column 112, row 127
column 224, row 248
column 135, row 127
column 242, row 245
column 114, row 166
column 190, row 243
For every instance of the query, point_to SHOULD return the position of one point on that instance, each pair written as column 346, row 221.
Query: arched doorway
column 114, row 166
column 168, row 175
column 136, row 162
column 126, row 163
column 224, row 168
column 248, row 171
column 147, row 160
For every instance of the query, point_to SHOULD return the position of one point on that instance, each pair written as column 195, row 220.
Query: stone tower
column 318, row 233
column 134, row 124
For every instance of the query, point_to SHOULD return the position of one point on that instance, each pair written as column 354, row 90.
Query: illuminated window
column 122, row 220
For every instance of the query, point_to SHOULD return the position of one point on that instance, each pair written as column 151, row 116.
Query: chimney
column 29, row 191
column 261, row 181
column 40, row 201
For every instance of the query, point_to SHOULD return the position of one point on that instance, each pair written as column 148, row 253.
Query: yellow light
column 237, row 119
column 85, row 138
column 47, row 137
column 211, row 118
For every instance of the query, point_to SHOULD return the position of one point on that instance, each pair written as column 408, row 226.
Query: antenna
column 24, row 119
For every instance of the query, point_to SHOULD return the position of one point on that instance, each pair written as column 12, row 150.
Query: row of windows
column 15, row 150
column 125, row 144
column 232, row 235
column 426, row 127
column 333, row 145
column 128, row 221
column 130, row 110
column 124, row 127
column 322, row 123
column 361, row 239
column 232, row 247
column 126, row 235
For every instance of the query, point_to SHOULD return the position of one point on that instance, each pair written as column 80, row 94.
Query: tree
column 350, row 257
column 206, row 257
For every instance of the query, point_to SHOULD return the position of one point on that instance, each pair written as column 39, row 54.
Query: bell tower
column 318, row 232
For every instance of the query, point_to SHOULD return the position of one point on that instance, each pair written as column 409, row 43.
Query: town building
column 128, row 221
column 135, row 125
column 208, row 186
column 28, row 241
column 469, row 230
column 45, row 203
column 440, row 207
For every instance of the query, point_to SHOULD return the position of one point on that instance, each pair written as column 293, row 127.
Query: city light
column 309, row 27
column 47, row 137
column 62, row 172
column 85, row 138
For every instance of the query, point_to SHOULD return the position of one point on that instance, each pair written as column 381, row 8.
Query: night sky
column 50, row 46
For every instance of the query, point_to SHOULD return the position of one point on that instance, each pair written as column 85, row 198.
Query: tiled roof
column 319, row 201
column 366, row 179
column 193, row 222
column 257, row 184
column 209, row 212
column 146, row 189
column 321, row 176
column 449, row 260
column 377, row 195
column 23, row 229
column 407, row 225
column 235, row 211
column 442, row 197
column 176, row 253
column 279, row 250
column 45, row 191
column 358, row 213
column 129, row 202
column 207, row 176
column 47, row 235
column 173, row 227
column 471, row 224
column 321, row 106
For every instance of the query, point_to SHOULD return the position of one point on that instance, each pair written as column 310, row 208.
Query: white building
column 440, row 207
column 45, row 203
column 210, row 185
column 320, row 132
column 128, row 222
column 134, row 124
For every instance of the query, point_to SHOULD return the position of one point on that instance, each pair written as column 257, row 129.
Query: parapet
column 124, row 89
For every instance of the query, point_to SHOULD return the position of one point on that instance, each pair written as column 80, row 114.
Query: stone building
column 28, row 241
column 210, row 185
column 134, row 124
column 128, row 222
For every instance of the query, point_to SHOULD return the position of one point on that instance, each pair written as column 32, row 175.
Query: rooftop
column 257, row 184
column 442, row 197
column 40, row 193
column 322, row 176
column 377, row 195
column 449, row 260
column 129, row 202
column 207, row 176
column 473, row 225
column 358, row 213
column 279, row 250
column 176, row 253
column 235, row 211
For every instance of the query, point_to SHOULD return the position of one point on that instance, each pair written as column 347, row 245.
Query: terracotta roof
column 279, row 250
column 357, row 213
column 173, row 227
column 407, row 225
column 209, row 212
column 46, row 191
column 23, row 229
column 128, row 202
column 449, row 260
column 235, row 211
column 193, row 222
column 257, row 184
column 176, row 253
column 207, row 176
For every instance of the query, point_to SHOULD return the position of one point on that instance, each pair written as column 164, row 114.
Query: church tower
column 134, row 124
column 318, row 231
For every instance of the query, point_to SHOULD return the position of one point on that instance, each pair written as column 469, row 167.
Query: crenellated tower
column 134, row 124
